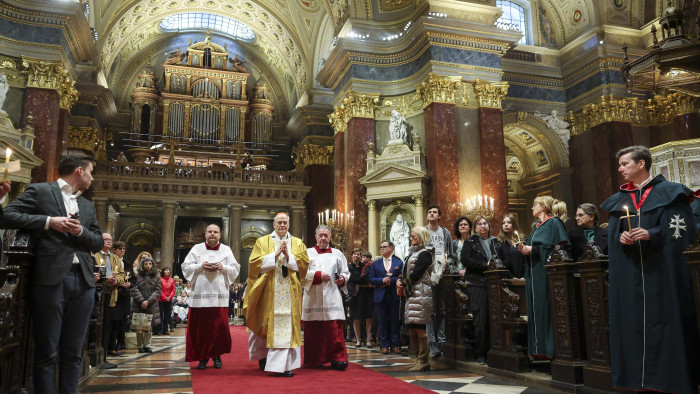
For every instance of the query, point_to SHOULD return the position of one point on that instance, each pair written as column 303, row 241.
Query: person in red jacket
column 165, row 301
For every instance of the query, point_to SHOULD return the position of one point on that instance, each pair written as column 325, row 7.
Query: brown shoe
column 385, row 350
column 396, row 350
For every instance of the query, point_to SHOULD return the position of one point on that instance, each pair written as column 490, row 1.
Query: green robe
column 653, row 328
column 540, row 329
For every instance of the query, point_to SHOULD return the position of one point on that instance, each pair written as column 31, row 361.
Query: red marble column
column 608, row 138
column 339, row 171
column 493, row 161
column 49, row 126
column 442, row 154
column 655, row 137
column 686, row 126
column 359, row 131
column 321, row 180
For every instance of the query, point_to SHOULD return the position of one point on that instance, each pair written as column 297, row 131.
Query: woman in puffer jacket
column 145, row 290
column 416, row 285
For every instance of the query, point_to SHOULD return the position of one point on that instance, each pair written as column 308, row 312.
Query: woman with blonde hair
column 548, row 232
column 416, row 285
column 509, row 243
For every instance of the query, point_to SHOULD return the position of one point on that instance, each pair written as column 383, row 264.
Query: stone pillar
column 358, row 110
column 167, row 241
column 102, row 210
column 608, row 138
column 441, row 144
column 372, row 228
column 225, row 230
column 49, row 95
column 686, row 126
column 296, row 222
column 234, row 213
column 493, row 151
column 112, row 223
column 420, row 210
column 339, row 172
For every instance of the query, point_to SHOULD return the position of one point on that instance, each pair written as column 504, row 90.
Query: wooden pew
column 458, row 319
column 507, row 322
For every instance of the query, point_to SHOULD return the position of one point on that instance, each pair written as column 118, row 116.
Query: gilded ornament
column 490, row 94
column 438, row 89
column 337, row 120
column 88, row 139
column 306, row 155
column 359, row 105
column 50, row 75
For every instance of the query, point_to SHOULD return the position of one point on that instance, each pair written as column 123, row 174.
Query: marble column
column 338, row 172
column 686, row 126
column 372, row 228
column 655, row 136
column 112, row 223
column 234, row 213
column 102, row 211
column 225, row 230
column 608, row 138
column 442, row 155
column 167, row 241
column 44, row 106
column 420, row 210
column 359, row 132
column 493, row 161
column 321, row 179
column 296, row 222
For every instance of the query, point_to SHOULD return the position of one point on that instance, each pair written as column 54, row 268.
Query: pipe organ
column 203, row 101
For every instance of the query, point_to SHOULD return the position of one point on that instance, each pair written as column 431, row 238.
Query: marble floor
column 165, row 371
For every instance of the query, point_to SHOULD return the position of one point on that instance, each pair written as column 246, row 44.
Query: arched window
column 514, row 17
column 205, row 21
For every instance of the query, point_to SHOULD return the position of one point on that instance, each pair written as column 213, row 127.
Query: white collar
column 66, row 188
column 646, row 182
column 275, row 236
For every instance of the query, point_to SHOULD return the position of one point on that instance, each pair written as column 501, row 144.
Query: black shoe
column 288, row 374
column 142, row 350
column 217, row 362
column 147, row 349
column 339, row 365
column 166, row 333
column 202, row 364
column 261, row 363
column 107, row 365
column 114, row 354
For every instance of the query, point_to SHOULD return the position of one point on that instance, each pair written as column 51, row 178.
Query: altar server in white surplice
column 322, row 310
column 211, row 268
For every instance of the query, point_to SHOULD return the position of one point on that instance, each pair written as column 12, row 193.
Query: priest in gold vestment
column 272, row 304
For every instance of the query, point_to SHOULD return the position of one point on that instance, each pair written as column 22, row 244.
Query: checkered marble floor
column 438, row 379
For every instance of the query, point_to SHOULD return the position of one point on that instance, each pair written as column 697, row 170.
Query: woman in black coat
column 477, row 252
column 509, row 243
column 588, row 230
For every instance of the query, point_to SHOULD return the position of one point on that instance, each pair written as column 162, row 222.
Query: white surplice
column 324, row 301
column 210, row 288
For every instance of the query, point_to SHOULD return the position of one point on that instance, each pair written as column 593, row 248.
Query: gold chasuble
column 272, row 304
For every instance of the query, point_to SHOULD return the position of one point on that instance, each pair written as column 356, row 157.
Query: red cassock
column 324, row 341
column 207, row 334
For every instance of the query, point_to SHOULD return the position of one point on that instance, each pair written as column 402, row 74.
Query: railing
column 213, row 173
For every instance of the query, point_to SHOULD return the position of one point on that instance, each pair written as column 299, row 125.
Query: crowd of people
column 653, row 329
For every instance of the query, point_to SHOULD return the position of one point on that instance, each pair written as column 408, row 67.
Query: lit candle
column 326, row 215
column 341, row 219
column 319, row 218
column 479, row 200
column 492, row 203
column 629, row 223
column 8, row 153
column 518, row 235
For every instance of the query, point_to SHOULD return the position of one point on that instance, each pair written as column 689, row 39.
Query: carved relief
column 438, row 89
column 490, row 94
column 50, row 75
column 312, row 154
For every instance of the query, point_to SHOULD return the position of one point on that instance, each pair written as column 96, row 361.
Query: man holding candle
column 654, row 340
column 63, row 282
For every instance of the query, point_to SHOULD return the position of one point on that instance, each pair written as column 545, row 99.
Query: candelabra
column 478, row 206
column 338, row 222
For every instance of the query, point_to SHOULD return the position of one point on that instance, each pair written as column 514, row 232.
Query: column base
column 570, row 372
column 596, row 379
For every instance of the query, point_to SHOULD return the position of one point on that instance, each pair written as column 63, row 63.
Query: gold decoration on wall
column 662, row 108
column 359, row 105
column 337, row 120
column 606, row 109
column 407, row 105
column 438, row 89
column 88, row 139
column 306, row 155
column 50, row 75
column 490, row 94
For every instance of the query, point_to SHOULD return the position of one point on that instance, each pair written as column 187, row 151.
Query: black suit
column 62, row 297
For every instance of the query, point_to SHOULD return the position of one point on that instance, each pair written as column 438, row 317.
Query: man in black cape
column 653, row 328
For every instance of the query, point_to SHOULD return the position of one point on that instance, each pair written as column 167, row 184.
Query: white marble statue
column 397, row 128
column 4, row 87
column 399, row 236
column 559, row 126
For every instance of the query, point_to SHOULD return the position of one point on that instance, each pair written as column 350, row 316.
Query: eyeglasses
column 412, row 236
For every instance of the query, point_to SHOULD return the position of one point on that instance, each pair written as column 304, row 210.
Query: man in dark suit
column 383, row 275
column 64, row 227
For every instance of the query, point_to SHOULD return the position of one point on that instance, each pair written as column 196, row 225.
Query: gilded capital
column 662, row 108
column 438, row 89
column 372, row 204
column 50, row 75
column 359, row 105
column 490, row 94
column 88, row 139
column 337, row 120
column 312, row 154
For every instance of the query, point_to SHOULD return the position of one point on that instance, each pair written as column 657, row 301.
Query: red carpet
column 240, row 375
